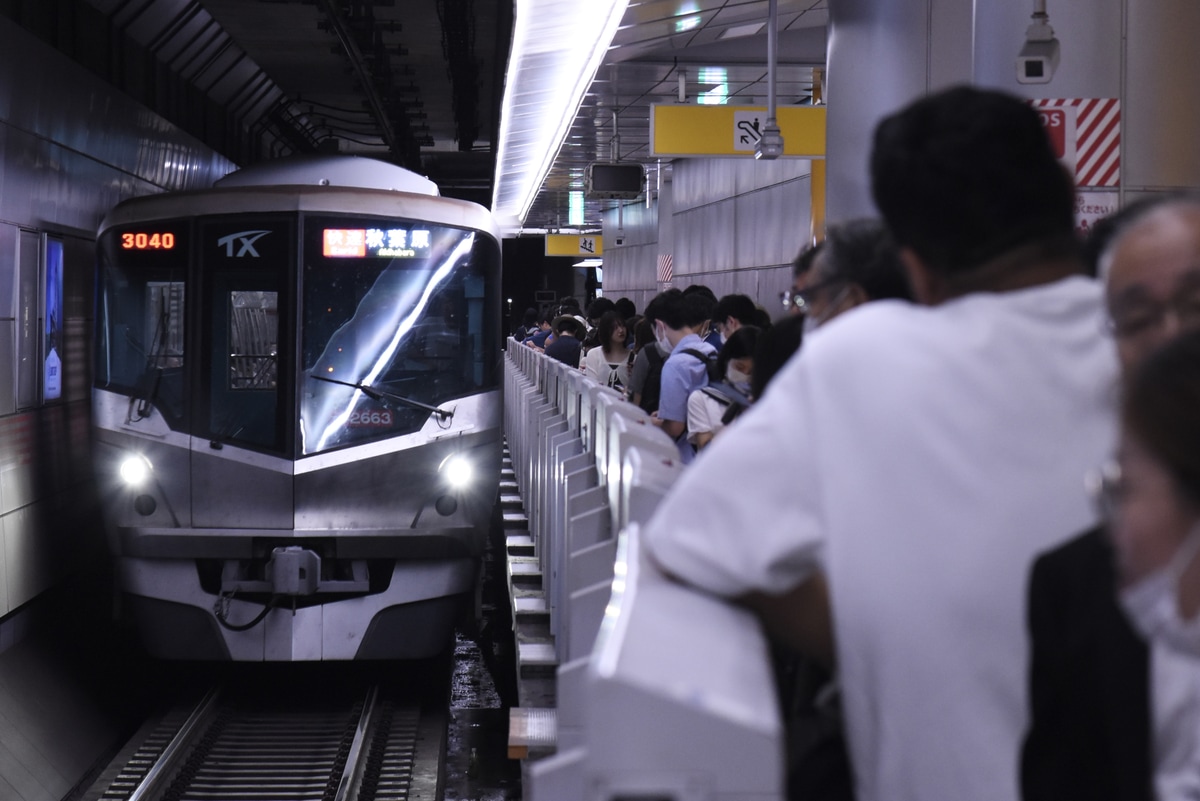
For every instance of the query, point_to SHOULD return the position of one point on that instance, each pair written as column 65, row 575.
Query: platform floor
column 72, row 690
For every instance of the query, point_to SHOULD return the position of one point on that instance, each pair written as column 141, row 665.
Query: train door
column 241, row 465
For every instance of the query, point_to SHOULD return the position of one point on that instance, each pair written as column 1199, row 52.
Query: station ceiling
column 421, row 82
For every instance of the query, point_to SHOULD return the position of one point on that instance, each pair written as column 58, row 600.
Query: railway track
column 261, row 742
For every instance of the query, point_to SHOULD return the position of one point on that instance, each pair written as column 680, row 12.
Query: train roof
column 329, row 170
column 318, row 184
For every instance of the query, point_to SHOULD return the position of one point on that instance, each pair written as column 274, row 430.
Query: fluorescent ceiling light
column 741, row 30
column 557, row 48
column 575, row 207
column 588, row 263
column 717, row 78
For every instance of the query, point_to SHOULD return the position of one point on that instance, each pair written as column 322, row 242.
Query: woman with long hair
column 608, row 362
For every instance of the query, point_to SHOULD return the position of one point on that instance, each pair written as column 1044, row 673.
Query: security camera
column 770, row 144
column 1037, row 61
column 1038, row 58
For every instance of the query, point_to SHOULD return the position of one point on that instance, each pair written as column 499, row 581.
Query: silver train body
column 297, row 411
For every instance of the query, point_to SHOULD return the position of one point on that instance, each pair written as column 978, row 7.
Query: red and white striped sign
column 1086, row 134
column 664, row 268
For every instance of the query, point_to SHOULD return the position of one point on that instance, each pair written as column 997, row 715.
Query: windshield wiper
column 145, row 394
column 385, row 396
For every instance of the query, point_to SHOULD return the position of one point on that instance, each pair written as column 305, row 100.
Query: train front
column 297, row 415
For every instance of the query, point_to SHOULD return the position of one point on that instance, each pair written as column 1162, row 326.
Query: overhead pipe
column 770, row 143
column 616, row 155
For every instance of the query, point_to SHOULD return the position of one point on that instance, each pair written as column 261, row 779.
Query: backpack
column 710, row 364
column 653, row 384
column 731, row 400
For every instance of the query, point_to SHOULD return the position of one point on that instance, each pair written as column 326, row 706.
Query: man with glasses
column 792, row 299
column 858, row 263
column 1090, row 736
column 1152, row 273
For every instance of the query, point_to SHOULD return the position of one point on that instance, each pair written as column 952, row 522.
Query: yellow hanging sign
column 574, row 245
column 683, row 130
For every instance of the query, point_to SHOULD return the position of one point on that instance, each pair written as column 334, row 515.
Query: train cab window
column 247, row 262
column 397, row 316
column 140, row 322
column 253, row 340
column 162, row 325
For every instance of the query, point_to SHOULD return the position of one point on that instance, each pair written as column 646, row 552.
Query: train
column 296, row 408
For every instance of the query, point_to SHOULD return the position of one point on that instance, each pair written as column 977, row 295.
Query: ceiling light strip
column 557, row 49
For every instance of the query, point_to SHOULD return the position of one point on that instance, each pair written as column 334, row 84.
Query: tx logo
column 245, row 241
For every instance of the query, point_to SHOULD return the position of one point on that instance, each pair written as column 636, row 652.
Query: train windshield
column 397, row 317
column 140, row 325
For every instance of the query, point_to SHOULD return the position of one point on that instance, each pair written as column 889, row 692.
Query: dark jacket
column 565, row 349
column 1089, row 683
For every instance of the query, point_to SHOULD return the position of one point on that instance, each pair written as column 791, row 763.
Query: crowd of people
column 970, row 500
column 688, row 360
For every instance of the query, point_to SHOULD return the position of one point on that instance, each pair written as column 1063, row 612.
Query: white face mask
column 1152, row 607
column 660, row 339
column 737, row 379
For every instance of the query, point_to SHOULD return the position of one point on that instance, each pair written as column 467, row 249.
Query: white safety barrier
column 662, row 691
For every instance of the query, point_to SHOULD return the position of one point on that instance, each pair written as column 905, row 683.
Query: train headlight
column 457, row 471
column 135, row 470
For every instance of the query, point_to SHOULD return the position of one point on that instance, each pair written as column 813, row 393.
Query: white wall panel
column 29, row 557
column 752, row 174
column 697, row 182
column 737, row 228
column 705, row 240
column 6, row 606
column 1160, row 113
column 773, row 223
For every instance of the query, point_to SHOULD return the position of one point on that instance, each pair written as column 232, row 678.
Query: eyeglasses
column 1105, row 487
column 1138, row 318
column 801, row 299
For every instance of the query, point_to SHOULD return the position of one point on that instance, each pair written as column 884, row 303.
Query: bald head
column 1152, row 268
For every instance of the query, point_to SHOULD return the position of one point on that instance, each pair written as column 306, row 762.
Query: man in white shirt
column 905, row 468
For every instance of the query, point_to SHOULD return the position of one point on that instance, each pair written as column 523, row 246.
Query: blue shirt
column 681, row 374
column 566, row 349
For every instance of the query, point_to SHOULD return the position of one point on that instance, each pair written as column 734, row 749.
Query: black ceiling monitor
column 614, row 181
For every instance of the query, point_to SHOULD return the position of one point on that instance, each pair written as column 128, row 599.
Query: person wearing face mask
column 677, row 319
column 858, row 263
column 704, row 297
column 708, row 407
column 1153, row 498
column 644, row 352
column 734, row 311
column 1089, row 674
